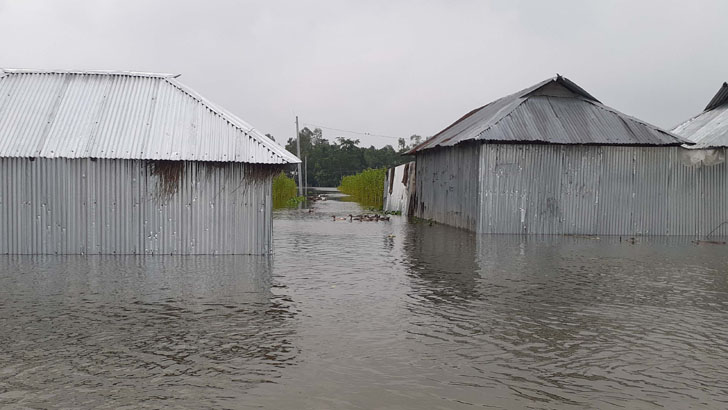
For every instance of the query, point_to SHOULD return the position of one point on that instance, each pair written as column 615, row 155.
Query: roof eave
column 541, row 142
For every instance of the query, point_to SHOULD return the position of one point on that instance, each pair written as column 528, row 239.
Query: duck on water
column 363, row 218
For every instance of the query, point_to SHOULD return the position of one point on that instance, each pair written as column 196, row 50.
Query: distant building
column 551, row 159
column 128, row 163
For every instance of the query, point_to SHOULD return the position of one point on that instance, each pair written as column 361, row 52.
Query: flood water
column 363, row 315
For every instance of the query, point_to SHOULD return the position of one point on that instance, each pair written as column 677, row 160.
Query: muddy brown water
column 361, row 315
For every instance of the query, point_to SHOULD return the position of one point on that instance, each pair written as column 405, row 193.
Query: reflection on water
column 372, row 315
column 557, row 321
column 95, row 332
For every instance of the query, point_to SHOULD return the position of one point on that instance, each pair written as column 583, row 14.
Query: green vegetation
column 329, row 162
column 366, row 187
column 284, row 192
column 357, row 171
column 293, row 202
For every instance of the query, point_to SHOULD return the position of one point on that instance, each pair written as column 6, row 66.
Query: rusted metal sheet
column 122, row 115
column 555, row 111
column 82, row 206
column 572, row 189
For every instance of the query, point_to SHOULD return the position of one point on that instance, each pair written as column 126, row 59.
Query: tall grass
column 284, row 191
column 366, row 187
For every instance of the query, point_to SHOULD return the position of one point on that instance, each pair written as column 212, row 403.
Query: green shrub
column 366, row 187
column 284, row 191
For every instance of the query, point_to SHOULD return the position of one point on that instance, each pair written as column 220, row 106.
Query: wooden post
column 298, row 151
column 305, row 174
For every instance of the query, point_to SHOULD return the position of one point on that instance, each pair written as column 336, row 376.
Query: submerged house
column 551, row 159
column 128, row 163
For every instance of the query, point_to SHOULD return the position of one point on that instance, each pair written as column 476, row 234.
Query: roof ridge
column 88, row 72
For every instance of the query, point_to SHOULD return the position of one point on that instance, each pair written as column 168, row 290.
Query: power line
column 370, row 134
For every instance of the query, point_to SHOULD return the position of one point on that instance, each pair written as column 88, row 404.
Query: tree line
column 328, row 162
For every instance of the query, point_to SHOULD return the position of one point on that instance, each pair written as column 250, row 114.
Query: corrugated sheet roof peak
column 563, row 82
column 556, row 111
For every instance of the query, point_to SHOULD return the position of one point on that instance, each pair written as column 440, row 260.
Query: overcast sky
column 387, row 67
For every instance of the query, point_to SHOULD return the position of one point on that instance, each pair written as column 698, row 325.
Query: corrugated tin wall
column 577, row 189
column 447, row 185
column 79, row 206
column 599, row 190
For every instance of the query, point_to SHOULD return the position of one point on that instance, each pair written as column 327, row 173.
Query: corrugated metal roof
column 719, row 99
column 555, row 111
column 129, row 115
column 708, row 129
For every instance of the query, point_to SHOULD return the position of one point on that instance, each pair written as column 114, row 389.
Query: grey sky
column 387, row 67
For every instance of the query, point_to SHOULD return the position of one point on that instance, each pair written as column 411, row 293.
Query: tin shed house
column 128, row 163
column 551, row 159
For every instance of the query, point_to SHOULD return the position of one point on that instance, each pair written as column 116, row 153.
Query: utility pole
column 305, row 174
column 298, row 151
